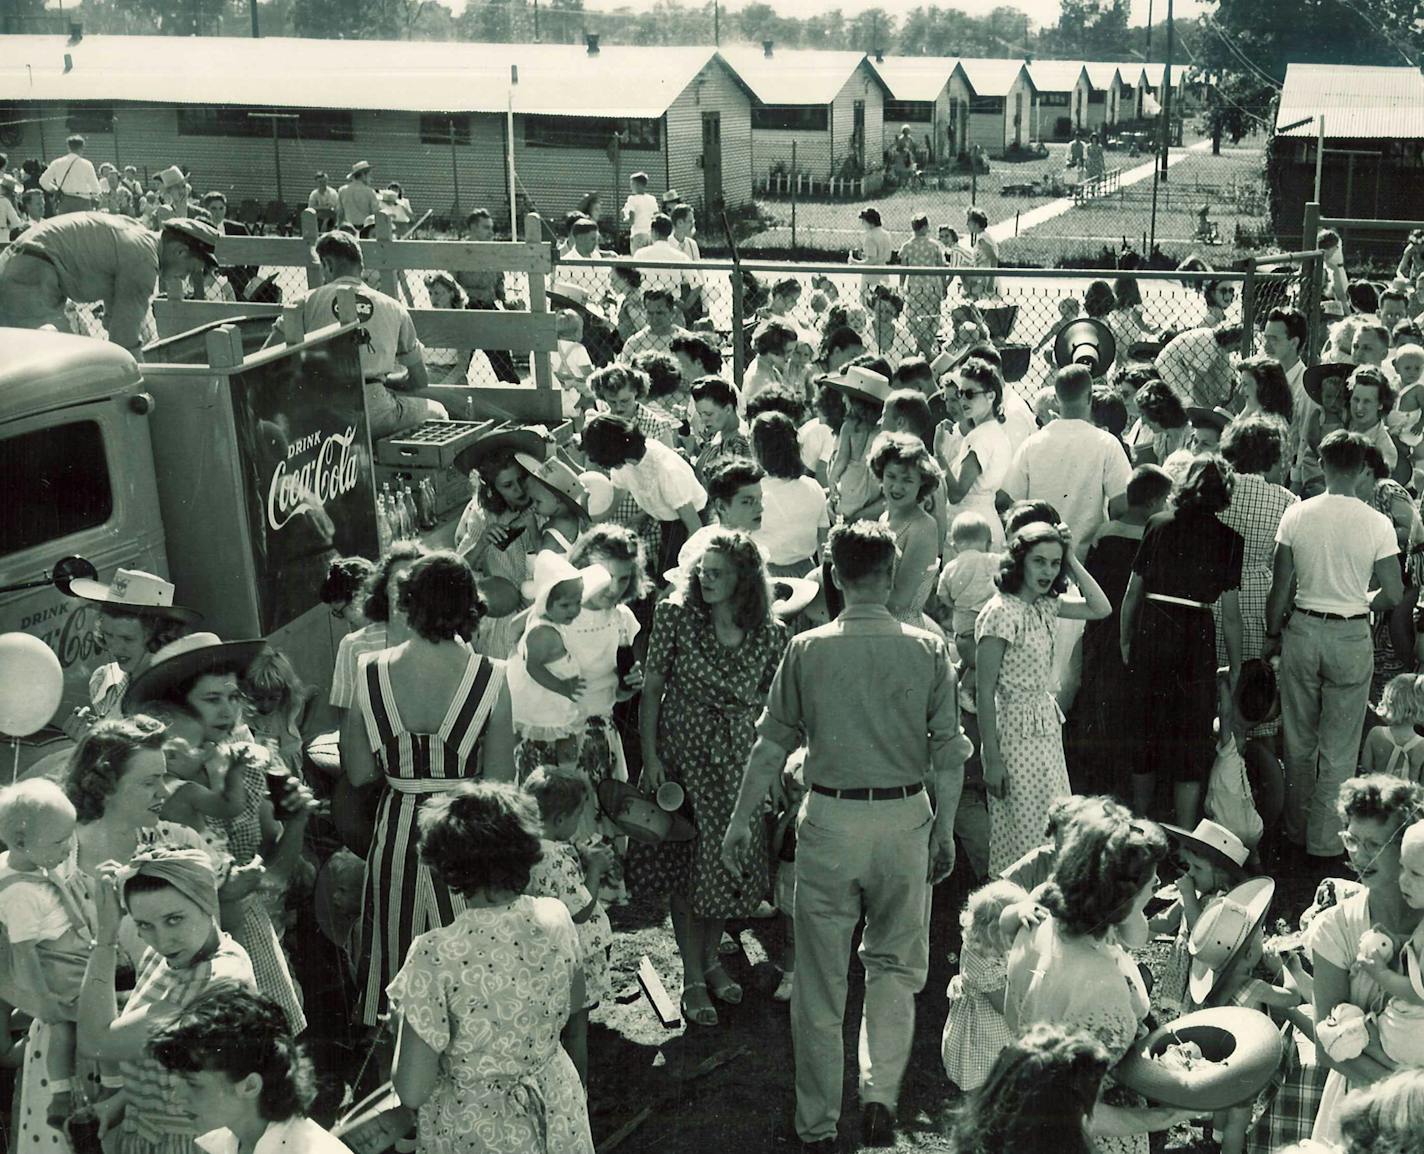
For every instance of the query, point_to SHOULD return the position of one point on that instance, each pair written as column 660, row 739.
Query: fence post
column 738, row 307
column 1248, row 307
column 1311, row 288
column 385, row 234
column 1311, row 225
column 309, row 235
column 795, row 187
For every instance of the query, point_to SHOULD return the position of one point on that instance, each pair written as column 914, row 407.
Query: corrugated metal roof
column 1102, row 74
column 915, row 77
column 1358, row 103
column 793, row 76
column 988, row 77
column 410, row 76
column 1055, row 75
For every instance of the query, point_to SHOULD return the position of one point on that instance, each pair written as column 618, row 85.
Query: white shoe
column 728, row 945
column 765, row 910
column 784, row 987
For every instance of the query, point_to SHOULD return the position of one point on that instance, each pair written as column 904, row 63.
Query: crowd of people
column 794, row 649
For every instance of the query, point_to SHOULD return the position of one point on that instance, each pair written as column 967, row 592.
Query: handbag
column 375, row 1124
column 1228, row 795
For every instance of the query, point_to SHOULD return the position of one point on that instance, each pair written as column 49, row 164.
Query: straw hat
column 183, row 661
column 1214, row 842
column 532, row 440
column 1215, row 418
column 1223, row 931
column 144, row 594
column 1242, row 1048
column 860, row 383
column 1316, row 375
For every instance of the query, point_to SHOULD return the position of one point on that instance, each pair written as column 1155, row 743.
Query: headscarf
column 187, row 870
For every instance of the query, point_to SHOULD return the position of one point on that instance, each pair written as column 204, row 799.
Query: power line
column 1388, row 39
column 1241, row 56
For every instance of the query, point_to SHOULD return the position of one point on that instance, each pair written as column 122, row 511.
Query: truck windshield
column 55, row 482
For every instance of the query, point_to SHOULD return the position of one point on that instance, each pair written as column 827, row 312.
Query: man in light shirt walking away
column 876, row 248
column 1328, row 549
column 71, row 180
column 884, row 780
column 359, row 201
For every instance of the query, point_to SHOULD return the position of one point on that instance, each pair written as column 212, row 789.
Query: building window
column 57, row 482
column 993, row 105
column 592, row 132
column 1055, row 99
column 97, row 118
column 1096, row 97
column 1128, row 88
column 791, row 117
column 303, row 124
column 909, row 111
column 440, row 127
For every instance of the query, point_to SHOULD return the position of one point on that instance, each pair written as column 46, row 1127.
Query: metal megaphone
column 66, row 569
column 1085, row 342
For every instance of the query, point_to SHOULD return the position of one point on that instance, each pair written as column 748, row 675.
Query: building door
column 857, row 134
column 1018, row 119
column 712, row 198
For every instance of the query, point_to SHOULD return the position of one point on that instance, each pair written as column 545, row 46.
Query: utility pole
column 252, row 11
column 536, row 21
column 274, row 117
column 717, row 23
column 1148, row 53
column 1167, row 96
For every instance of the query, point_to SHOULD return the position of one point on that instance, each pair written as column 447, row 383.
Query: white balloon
column 31, row 684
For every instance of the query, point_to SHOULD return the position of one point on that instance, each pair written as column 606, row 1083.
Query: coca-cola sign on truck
column 301, row 431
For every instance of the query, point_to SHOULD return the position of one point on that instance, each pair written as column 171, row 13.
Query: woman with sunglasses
column 1220, row 296
column 984, row 454
column 1376, row 809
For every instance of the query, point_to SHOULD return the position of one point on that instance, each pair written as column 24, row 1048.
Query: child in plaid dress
column 975, row 1030
column 575, row 876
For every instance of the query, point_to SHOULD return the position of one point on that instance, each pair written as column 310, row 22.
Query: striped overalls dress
column 401, row 899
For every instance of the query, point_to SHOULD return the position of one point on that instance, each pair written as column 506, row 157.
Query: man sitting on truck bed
column 96, row 256
column 387, row 338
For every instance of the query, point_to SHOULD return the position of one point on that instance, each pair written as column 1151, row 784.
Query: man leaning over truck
column 97, row 256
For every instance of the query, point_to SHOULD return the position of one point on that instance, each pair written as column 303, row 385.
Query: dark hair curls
column 481, row 836
column 1107, row 857
column 1011, row 566
column 377, row 605
column 440, row 599
column 101, row 759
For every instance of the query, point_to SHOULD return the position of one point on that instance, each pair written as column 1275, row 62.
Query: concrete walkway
column 1008, row 229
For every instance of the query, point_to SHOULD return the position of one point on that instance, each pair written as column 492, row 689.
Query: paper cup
column 670, row 796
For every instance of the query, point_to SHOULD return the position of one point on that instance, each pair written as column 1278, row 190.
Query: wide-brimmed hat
column 861, row 383
column 1241, row 1051
column 359, row 167
column 1224, row 929
column 182, row 661
column 531, row 440
column 172, row 177
column 559, row 477
column 670, row 195
column 1085, row 342
column 1214, row 418
column 639, row 816
column 200, row 236
column 1316, row 375
column 134, row 591
column 1214, row 842
column 1257, row 698
column 790, row 595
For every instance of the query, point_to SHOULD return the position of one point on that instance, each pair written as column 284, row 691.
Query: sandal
column 724, row 990
column 703, row 1014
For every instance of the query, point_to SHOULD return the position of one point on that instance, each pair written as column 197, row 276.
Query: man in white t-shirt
column 1070, row 462
column 71, row 180
column 638, row 212
column 1328, row 549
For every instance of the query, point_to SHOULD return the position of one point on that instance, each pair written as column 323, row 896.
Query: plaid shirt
column 626, row 511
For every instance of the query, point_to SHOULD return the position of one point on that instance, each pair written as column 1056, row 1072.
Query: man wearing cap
column 358, row 199
column 387, row 335
column 71, row 179
column 883, row 784
column 325, row 201
column 96, row 256
column 638, row 212
column 1328, row 550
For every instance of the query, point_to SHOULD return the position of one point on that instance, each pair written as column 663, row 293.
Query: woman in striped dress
column 430, row 713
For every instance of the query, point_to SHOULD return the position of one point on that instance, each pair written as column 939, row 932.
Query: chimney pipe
column 76, row 31
column 880, row 56
column 766, row 47
column 68, row 63
column 590, row 40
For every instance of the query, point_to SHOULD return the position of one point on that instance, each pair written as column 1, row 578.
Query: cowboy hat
column 358, row 168
column 198, row 235
column 639, row 816
column 1214, row 842
column 556, row 475
column 1085, row 342
column 790, row 595
column 1257, row 699
column 1215, row 418
column 860, row 383
column 1224, row 929
column 1241, row 1050
column 1316, row 375
column 144, row 594
column 670, row 195
column 532, row 440
column 183, row 661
